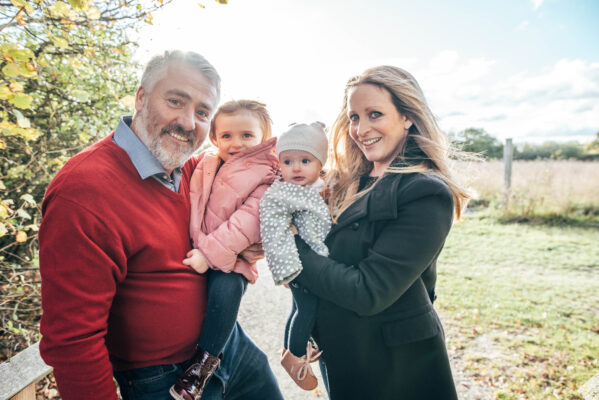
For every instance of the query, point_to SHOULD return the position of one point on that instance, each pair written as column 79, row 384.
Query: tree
column 593, row 147
column 477, row 140
column 569, row 151
column 66, row 72
column 550, row 150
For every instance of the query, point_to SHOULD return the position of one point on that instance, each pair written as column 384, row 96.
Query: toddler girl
column 302, row 151
column 225, row 189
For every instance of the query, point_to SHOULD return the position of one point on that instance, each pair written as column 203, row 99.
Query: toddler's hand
column 195, row 259
column 253, row 253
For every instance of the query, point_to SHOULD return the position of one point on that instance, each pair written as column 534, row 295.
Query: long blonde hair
column 348, row 163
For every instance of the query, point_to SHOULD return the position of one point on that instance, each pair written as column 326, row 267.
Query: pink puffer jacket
column 225, row 206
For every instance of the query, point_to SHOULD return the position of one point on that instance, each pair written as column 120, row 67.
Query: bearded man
column 116, row 298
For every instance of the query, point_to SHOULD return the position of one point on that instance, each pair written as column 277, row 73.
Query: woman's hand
column 293, row 229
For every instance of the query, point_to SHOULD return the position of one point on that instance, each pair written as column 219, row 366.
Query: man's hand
column 195, row 259
column 253, row 254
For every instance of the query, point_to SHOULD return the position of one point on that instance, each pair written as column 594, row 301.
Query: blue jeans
column 243, row 373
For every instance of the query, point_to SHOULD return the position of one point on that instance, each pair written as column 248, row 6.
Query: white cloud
column 301, row 73
column 536, row 4
column 559, row 101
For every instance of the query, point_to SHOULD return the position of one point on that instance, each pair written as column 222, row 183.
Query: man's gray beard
column 169, row 161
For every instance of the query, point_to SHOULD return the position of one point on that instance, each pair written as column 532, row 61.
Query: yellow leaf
column 59, row 42
column 76, row 63
column 2, row 187
column 16, row 87
column 7, row 125
column 20, row 54
column 28, row 70
column 79, row 4
column 22, row 3
column 5, row 92
column 93, row 13
column 67, row 24
column 3, row 211
column 3, row 230
column 11, row 70
column 21, row 100
column 116, row 51
column 2, row 147
column 42, row 61
column 60, row 9
column 21, row 237
column 27, row 133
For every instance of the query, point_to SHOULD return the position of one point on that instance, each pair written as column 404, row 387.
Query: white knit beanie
column 310, row 138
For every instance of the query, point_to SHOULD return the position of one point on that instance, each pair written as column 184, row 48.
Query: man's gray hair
column 157, row 66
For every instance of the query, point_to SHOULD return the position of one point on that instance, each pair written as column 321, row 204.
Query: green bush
column 67, row 75
column 476, row 140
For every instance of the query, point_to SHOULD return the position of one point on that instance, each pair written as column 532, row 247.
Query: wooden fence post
column 507, row 161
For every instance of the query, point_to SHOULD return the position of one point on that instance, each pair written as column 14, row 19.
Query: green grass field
column 524, row 300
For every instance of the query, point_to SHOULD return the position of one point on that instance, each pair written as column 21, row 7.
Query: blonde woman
column 393, row 202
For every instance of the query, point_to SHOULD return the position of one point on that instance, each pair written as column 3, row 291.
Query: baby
column 302, row 151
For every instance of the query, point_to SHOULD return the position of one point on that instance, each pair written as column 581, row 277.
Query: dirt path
column 264, row 311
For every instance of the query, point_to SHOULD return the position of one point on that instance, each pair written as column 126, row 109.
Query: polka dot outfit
column 282, row 204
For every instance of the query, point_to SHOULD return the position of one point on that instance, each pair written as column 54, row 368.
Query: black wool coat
column 380, row 336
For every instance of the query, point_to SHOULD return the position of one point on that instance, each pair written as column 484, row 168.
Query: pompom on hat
column 310, row 138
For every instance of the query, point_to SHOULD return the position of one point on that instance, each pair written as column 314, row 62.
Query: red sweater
column 115, row 293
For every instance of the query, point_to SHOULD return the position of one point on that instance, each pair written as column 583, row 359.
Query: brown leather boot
column 191, row 384
column 299, row 368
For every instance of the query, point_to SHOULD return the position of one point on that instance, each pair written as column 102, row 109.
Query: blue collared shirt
column 144, row 161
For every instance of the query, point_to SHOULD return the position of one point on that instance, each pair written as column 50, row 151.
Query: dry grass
column 567, row 189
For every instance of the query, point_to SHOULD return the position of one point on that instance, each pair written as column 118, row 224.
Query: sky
column 521, row 69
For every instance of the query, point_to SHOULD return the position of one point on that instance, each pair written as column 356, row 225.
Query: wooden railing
column 19, row 375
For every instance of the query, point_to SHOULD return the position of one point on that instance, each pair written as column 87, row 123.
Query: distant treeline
column 477, row 140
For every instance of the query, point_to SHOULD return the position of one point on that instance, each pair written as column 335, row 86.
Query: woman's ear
column 407, row 124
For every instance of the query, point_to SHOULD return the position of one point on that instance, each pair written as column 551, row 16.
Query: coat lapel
column 354, row 212
column 378, row 204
